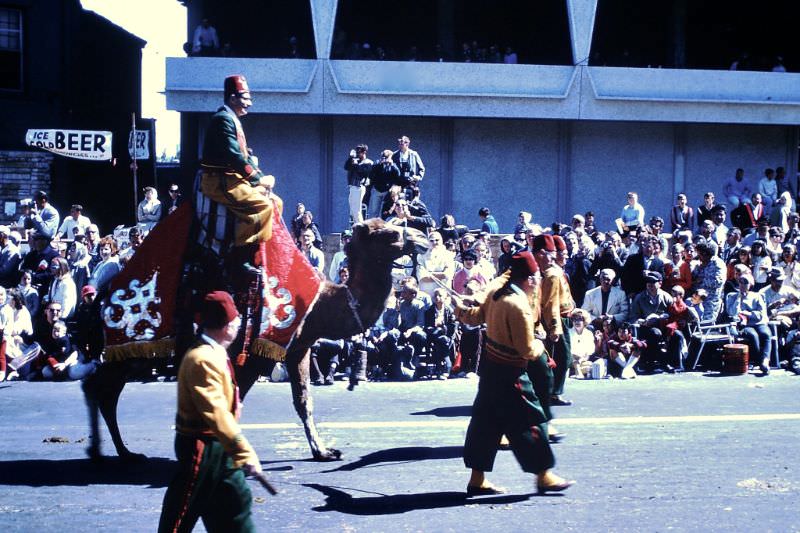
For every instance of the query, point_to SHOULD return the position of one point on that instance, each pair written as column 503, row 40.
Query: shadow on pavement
column 342, row 502
column 154, row 472
column 402, row 455
column 446, row 412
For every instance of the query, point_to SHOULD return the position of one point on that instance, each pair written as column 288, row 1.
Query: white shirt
column 69, row 224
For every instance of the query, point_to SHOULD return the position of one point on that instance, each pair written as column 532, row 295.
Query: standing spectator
column 507, row 250
column 784, row 184
column 775, row 244
column 587, row 245
column 681, row 217
column 62, row 289
column 749, row 310
column 678, row 271
column 89, row 335
column 297, row 220
column 781, row 211
column 632, row 278
column 383, row 176
column 135, row 240
column 632, row 214
column 175, row 198
column 79, row 264
column 718, row 215
column 43, row 218
column 704, row 211
column 358, row 168
column 205, row 41
column 768, row 189
column 468, row 272
column 709, row 275
column 510, row 56
column 435, row 265
column 92, row 241
column 412, row 170
column 339, row 259
column 488, row 224
column 149, row 211
column 737, row 189
column 10, row 259
column 760, row 262
column 790, row 266
column 74, row 224
column 314, row 255
column 25, row 207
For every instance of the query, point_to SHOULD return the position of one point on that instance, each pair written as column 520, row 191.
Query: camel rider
column 230, row 173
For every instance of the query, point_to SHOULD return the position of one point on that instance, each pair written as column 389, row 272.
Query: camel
column 340, row 311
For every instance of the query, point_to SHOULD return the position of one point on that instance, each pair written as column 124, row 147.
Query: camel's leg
column 90, row 391
column 297, row 364
column 109, row 382
column 247, row 375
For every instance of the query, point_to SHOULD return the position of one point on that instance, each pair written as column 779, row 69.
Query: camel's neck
column 370, row 284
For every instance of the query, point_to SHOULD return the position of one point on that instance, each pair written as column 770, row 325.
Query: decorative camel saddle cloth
column 139, row 312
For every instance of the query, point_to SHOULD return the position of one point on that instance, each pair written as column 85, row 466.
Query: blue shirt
column 490, row 225
column 412, row 314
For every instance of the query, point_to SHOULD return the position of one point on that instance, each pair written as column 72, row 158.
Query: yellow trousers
column 251, row 207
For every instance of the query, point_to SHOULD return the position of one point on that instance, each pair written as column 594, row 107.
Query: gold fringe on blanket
column 141, row 350
column 267, row 348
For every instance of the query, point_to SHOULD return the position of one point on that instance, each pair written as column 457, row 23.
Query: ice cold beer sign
column 78, row 144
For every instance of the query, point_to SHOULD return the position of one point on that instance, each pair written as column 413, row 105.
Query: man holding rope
column 506, row 403
column 213, row 455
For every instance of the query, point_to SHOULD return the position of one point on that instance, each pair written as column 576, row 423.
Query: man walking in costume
column 506, row 402
column 213, row 455
column 230, row 173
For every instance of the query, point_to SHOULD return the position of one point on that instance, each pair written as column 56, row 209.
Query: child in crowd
column 582, row 343
column 62, row 358
column 625, row 350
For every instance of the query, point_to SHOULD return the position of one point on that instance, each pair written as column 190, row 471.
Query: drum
column 734, row 359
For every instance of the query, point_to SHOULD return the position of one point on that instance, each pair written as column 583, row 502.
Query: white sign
column 90, row 145
column 142, row 144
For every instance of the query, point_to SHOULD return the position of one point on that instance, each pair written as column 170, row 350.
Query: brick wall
column 21, row 174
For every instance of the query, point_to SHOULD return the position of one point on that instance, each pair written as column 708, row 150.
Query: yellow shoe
column 550, row 482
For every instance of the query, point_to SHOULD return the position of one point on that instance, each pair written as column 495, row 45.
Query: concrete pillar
column 323, row 14
column 325, row 211
column 564, row 206
column 581, row 26
column 446, row 141
column 678, row 159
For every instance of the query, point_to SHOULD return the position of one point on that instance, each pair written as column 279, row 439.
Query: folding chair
column 709, row 332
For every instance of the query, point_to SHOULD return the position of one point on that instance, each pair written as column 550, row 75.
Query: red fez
column 236, row 84
column 523, row 264
column 87, row 289
column 559, row 243
column 544, row 242
column 218, row 310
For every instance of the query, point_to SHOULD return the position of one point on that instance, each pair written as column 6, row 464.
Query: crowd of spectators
column 639, row 290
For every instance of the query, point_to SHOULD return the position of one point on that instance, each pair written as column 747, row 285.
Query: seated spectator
column 737, row 189
column 760, row 262
column 709, row 275
column 775, row 244
column 681, row 217
column 135, row 240
column 589, row 226
column 297, row 220
column 747, row 214
column 10, row 259
column 783, row 303
column 749, row 311
column 390, row 357
column 792, row 234
column 16, row 327
column 632, row 214
column 762, row 232
column 390, row 202
column 606, row 257
column 779, row 217
column 790, row 267
column 62, row 289
column 732, row 245
column 325, row 357
column 650, row 310
column 606, row 301
column 37, row 260
column 108, row 267
column 62, row 358
column 468, row 272
column 704, row 211
column 736, row 267
column 440, row 328
column 413, row 214
column 436, row 266
column 175, row 198
column 768, row 189
column 314, row 255
column 73, row 224
column 625, row 350
column 412, row 320
column 677, row 271
column 632, row 278
column 718, row 216
column 448, row 229
column 28, row 292
column 507, row 250
column 149, row 211
column 577, row 267
column 79, row 259
column 523, row 222
column 581, row 343
column 676, row 328
column 485, row 262
column 488, row 223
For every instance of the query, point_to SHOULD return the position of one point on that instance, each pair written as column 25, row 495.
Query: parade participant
column 557, row 304
column 213, row 455
column 506, row 403
column 230, row 174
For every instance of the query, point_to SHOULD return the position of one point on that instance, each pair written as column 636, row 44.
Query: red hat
column 88, row 289
column 559, row 243
column 544, row 242
column 236, row 84
column 523, row 264
column 218, row 310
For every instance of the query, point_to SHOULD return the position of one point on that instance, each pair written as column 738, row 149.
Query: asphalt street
column 688, row 452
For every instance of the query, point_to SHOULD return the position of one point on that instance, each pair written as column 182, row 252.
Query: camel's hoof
column 130, row 457
column 330, row 454
column 94, row 454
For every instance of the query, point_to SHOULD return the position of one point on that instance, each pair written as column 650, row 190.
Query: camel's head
column 380, row 241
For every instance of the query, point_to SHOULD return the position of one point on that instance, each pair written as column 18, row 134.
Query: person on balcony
column 205, row 42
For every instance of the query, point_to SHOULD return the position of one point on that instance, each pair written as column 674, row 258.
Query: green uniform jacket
column 225, row 147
